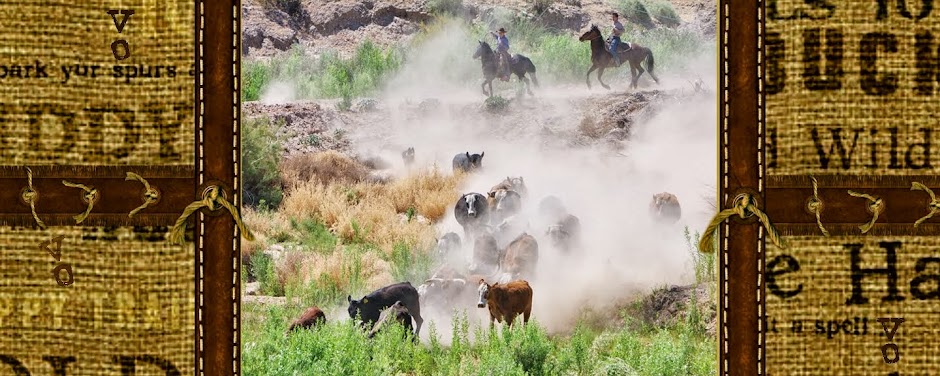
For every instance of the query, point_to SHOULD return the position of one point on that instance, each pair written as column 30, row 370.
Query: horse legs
column 633, row 76
column 637, row 79
column 483, row 87
column 527, row 88
column 587, row 78
column 600, row 72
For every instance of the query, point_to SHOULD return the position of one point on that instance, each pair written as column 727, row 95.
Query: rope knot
column 744, row 207
column 815, row 206
column 211, row 197
column 31, row 197
column 151, row 195
column 90, row 196
column 875, row 205
column 934, row 204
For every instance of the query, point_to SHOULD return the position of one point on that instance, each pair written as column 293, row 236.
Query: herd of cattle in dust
column 504, row 257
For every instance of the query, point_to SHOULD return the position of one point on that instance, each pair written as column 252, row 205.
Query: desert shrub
column 327, row 167
column 446, row 7
column 496, row 104
column 540, row 6
column 261, row 151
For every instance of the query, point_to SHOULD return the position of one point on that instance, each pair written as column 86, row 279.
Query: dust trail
column 609, row 189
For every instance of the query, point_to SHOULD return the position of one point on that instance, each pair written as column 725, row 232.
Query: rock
column 252, row 288
column 562, row 17
column 330, row 17
column 274, row 252
column 262, row 33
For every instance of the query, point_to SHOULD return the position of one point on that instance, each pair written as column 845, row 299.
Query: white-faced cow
column 472, row 211
column 664, row 208
column 370, row 306
column 506, row 301
column 505, row 203
column 467, row 162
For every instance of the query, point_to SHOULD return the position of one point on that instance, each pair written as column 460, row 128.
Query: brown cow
column 506, row 301
column 521, row 257
column 510, row 184
column 312, row 317
column 664, row 207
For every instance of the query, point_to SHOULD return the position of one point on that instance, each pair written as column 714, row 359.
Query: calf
column 511, row 184
column 521, row 257
column 664, row 208
column 370, row 306
column 566, row 234
column 486, row 255
column 395, row 313
column 312, row 317
column 447, row 244
column 506, row 301
column 466, row 162
column 408, row 156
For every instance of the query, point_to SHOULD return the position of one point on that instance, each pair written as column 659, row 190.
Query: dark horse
column 601, row 58
column 518, row 64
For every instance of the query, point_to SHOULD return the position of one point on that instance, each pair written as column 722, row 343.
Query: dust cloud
column 622, row 252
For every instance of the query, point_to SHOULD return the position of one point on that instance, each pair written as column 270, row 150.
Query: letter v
column 127, row 14
column 884, row 323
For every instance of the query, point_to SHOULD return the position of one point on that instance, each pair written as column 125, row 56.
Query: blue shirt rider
column 615, row 38
column 502, row 50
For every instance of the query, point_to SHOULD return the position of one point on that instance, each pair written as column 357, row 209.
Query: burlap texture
column 824, row 276
column 131, row 296
column 793, row 113
column 133, row 292
column 147, row 120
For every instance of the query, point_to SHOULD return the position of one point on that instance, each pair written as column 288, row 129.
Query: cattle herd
column 503, row 252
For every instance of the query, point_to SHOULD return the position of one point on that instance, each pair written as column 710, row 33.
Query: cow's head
column 409, row 154
column 476, row 160
column 356, row 307
column 484, row 291
column 471, row 204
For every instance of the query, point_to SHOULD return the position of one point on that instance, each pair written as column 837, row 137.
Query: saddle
column 623, row 47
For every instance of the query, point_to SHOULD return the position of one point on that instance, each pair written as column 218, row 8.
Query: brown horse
column 601, row 58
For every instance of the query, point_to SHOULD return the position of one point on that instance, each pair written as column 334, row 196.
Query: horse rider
column 615, row 38
column 502, row 51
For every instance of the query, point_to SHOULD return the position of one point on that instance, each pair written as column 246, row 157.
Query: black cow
column 566, row 234
column 471, row 211
column 408, row 156
column 370, row 307
column 466, row 162
column 447, row 244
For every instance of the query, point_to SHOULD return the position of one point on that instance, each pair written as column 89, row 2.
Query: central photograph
column 447, row 187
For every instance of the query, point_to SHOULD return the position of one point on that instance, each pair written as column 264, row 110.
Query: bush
column 446, row 7
column 261, row 150
column 495, row 104
column 540, row 6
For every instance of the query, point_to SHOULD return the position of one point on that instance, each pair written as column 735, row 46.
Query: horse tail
column 649, row 61
column 531, row 69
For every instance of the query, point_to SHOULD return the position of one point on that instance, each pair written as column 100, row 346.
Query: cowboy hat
column 501, row 30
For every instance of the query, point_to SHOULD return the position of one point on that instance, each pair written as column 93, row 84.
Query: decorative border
column 218, row 153
column 740, row 301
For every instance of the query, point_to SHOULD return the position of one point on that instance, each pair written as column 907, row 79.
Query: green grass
column 339, row 348
column 330, row 76
column 644, row 12
column 261, row 152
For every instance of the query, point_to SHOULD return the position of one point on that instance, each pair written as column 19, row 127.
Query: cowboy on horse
column 615, row 39
column 502, row 51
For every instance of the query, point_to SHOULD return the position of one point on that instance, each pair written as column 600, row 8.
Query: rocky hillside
column 273, row 26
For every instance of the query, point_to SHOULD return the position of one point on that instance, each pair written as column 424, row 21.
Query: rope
column 741, row 208
column 876, row 207
column 90, row 196
column 31, row 196
column 815, row 206
column 150, row 195
column 934, row 204
column 210, row 199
